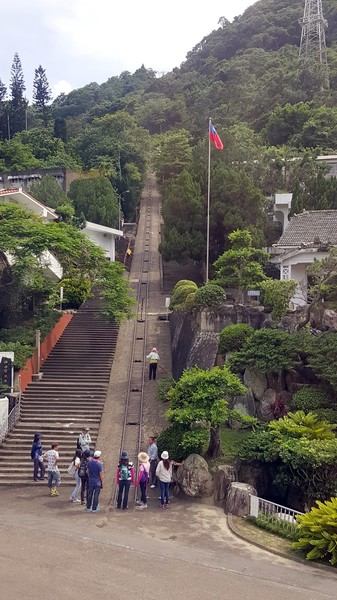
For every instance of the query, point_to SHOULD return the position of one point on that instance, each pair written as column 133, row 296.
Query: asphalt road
column 50, row 548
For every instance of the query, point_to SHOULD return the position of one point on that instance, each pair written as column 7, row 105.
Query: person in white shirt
column 154, row 359
column 84, row 440
column 78, row 482
column 54, row 477
column 164, row 474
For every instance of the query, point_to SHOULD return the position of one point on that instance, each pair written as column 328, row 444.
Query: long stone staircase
column 71, row 394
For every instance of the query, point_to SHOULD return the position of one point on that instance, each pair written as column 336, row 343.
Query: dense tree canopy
column 96, row 199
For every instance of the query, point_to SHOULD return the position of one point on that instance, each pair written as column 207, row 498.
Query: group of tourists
column 87, row 470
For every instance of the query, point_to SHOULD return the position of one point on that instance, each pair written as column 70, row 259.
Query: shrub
column 180, row 293
column 318, row 532
column 327, row 414
column 22, row 352
column 276, row 295
column 171, row 439
column 233, row 337
column 274, row 524
column 269, row 351
column 310, row 397
column 210, row 295
column 75, row 291
column 163, row 388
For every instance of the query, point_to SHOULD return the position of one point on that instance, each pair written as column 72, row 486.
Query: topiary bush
column 209, row 295
column 310, row 397
column 181, row 291
column 233, row 337
column 171, row 438
column 318, row 532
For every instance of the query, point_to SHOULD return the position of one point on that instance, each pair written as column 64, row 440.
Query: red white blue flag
column 214, row 137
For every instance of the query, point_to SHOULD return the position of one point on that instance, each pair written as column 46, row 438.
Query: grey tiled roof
column 313, row 227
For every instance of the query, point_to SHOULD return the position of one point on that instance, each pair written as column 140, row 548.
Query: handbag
column 71, row 469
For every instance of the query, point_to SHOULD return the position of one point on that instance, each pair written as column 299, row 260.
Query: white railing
column 260, row 506
column 7, row 425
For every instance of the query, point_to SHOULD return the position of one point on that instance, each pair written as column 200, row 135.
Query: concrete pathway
column 52, row 548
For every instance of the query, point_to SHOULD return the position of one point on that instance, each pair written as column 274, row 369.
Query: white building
column 102, row 236
column 306, row 237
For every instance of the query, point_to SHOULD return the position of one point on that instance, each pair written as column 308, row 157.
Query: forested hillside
column 266, row 105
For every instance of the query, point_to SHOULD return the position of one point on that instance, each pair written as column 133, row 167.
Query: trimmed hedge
column 210, row 295
column 233, row 337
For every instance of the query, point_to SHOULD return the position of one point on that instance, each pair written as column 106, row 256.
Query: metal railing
column 260, row 506
column 8, row 423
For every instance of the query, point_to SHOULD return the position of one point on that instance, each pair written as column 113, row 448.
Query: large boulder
column 243, row 404
column 265, row 406
column 194, row 477
column 223, row 476
column 256, row 474
column 238, row 500
column 329, row 320
column 256, row 382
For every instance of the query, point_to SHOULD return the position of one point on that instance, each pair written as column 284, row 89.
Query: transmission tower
column 313, row 45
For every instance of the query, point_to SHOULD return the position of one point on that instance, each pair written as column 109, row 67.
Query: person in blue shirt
column 36, row 455
column 95, row 475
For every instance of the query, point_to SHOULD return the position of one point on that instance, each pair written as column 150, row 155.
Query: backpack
column 82, row 471
column 124, row 473
column 71, row 469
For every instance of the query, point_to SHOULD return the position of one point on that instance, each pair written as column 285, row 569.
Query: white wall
column 104, row 240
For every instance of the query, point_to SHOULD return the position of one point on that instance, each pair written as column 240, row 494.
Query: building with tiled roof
column 306, row 237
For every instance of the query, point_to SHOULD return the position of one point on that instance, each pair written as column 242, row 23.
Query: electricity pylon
column 313, row 52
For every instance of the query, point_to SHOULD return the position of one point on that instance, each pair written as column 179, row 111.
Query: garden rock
column 223, row 476
column 245, row 405
column 256, row 475
column 194, row 477
column 238, row 501
column 329, row 319
column 265, row 407
column 256, row 381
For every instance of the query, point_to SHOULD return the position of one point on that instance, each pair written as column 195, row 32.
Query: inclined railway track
column 134, row 401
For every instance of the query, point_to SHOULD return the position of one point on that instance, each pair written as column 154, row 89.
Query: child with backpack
column 143, row 478
column 125, row 475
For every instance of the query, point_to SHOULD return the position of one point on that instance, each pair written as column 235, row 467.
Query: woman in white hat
column 164, row 474
column 143, row 478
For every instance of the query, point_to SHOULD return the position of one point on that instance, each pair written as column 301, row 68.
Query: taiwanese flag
column 214, row 137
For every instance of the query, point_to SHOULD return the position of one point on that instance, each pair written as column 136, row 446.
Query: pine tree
column 18, row 102
column 3, row 91
column 3, row 111
column 41, row 93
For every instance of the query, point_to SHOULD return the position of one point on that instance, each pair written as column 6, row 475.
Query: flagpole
column 208, row 200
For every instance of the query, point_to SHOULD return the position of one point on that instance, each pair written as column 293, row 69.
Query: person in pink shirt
column 143, row 478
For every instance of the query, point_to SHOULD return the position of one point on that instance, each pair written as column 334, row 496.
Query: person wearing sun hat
column 143, row 478
column 164, row 474
column 84, row 439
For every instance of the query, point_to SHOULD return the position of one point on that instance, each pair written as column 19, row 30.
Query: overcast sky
column 80, row 41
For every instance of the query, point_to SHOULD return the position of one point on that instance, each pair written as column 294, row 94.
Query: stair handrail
column 8, row 423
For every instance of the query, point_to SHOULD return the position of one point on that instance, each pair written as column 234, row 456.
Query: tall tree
column 41, row 93
column 18, row 101
column 3, row 111
column 96, row 199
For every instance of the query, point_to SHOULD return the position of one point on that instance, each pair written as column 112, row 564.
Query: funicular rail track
column 132, row 424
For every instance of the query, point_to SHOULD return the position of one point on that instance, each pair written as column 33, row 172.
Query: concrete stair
column 71, row 394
